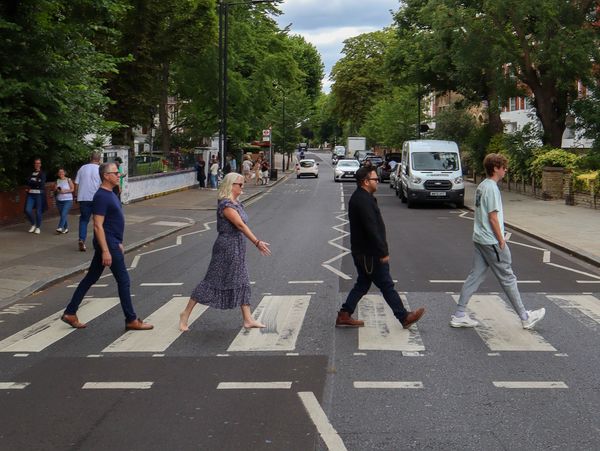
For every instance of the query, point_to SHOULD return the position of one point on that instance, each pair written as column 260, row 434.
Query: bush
column 557, row 158
column 586, row 182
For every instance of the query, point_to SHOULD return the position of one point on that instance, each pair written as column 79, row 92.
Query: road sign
column 267, row 135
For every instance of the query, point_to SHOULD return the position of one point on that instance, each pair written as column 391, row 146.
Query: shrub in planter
column 556, row 158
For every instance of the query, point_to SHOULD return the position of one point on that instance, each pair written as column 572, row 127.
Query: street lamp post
column 223, row 44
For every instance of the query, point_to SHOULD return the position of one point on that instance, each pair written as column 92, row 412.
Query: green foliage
column 587, row 111
column 454, row 124
column 52, row 74
column 521, row 149
column 557, row 158
column 588, row 182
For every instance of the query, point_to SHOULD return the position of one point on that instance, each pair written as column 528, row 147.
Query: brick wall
column 552, row 183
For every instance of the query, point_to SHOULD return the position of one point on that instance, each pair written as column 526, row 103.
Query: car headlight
column 458, row 180
column 416, row 180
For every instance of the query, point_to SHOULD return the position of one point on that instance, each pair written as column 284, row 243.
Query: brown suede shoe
column 73, row 321
column 345, row 320
column 412, row 317
column 138, row 324
column 82, row 247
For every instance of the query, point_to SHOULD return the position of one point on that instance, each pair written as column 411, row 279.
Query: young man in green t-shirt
column 491, row 249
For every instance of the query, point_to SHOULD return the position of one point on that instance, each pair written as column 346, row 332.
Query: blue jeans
column 372, row 270
column 85, row 209
column 34, row 201
column 214, row 181
column 95, row 270
column 63, row 208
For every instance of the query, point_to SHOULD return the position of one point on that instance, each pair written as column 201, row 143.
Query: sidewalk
column 29, row 262
column 575, row 230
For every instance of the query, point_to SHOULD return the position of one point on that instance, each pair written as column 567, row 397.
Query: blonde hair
column 227, row 183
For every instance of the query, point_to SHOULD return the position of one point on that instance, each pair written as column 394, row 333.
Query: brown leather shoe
column 82, row 247
column 138, row 324
column 73, row 321
column 412, row 317
column 345, row 320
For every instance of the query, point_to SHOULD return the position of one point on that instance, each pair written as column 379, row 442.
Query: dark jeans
column 34, row 201
column 95, row 270
column 371, row 270
column 63, row 208
column 85, row 209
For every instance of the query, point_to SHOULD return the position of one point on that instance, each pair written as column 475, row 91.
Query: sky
column 326, row 23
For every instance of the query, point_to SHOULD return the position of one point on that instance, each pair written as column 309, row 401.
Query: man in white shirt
column 491, row 249
column 87, row 183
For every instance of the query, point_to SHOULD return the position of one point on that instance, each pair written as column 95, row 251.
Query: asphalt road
column 315, row 387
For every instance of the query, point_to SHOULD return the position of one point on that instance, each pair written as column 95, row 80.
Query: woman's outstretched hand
column 263, row 248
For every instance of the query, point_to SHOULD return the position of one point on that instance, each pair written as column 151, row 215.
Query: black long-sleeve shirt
column 367, row 230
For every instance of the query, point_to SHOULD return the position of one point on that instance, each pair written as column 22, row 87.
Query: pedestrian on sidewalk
column 200, row 167
column 119, row 188
column 227, row 284
column 63, row 189
column 264, row 172
column 257, row 171
column 370, row 253
column 247, row 168
column 214, row 173
column 491, row 250
column 36, row 197
column 109, row 225
column 87, row 182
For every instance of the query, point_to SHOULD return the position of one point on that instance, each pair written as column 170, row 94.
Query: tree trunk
column 551, row 109
column 163, row 112
column 495, row 124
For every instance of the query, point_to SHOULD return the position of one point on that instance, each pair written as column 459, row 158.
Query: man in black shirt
column 370, row 254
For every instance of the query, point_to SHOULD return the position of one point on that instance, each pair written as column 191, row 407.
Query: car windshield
column 435, row 161
column 348, row 163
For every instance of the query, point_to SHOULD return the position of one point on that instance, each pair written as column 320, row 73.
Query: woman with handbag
column 63, row 189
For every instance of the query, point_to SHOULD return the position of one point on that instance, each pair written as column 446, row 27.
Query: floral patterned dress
column 226, row 284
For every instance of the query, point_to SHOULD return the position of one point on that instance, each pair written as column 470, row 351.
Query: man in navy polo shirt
column 109, row 225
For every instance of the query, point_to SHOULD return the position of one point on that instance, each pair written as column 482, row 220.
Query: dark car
column 384, row 171
column 375, row 161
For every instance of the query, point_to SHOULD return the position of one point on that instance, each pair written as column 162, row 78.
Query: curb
column 580, row 254
column 40, row 285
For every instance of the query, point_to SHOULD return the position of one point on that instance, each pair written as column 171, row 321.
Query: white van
column 431, row 172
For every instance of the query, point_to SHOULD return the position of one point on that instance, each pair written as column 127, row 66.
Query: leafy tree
column 52, row 81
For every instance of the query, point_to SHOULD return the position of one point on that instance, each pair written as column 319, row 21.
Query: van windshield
column 435, row 161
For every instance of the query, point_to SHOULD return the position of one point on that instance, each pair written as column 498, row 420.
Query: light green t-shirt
column 487, row 199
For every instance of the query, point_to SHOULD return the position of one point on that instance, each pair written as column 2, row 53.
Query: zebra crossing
column 284, row 315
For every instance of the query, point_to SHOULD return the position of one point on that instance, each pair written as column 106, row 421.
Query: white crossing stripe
column 117, row 385
column 161, row 284
column 500, row 327
column 530, row 384
column 13, row 385
column 462, row 281
column 382, row 330
column 332, row 440
column 48, row 331
column 587, row 281
column 254, row 385
column 165, row 332
column 584, row 303
column 96, row 285
column 170, row 223
column 388, row 384
column 283, row 316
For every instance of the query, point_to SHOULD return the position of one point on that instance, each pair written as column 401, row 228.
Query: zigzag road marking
column 346, row 251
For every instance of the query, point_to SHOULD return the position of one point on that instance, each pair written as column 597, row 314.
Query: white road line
column 21, row 355
column 388, row 384
column 42, row 334
column 283, row 316
column 161, row 284
column 382, row 330
column 97, row 285
column 13, row 385
column 587, row 281
column 304, row 281
column 117, row 385
column 530, row 384
column 578, row 304
column 500, row 327
column 165, row 332
column 462, row 281
column 332, row 440
column 337, row 272
column 254, row 386
column 593, row 276
column 170, row 224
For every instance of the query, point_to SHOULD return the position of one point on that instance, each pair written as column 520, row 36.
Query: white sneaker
column 59, row 230
column 32, row 229
column 65, row 231
column 534, row 317
column 37, row 231
column 462, row 321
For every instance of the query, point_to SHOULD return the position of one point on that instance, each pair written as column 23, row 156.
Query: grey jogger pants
column 500, row 262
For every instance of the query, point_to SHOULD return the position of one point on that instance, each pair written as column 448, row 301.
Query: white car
column 307, row 167
column 345, row 170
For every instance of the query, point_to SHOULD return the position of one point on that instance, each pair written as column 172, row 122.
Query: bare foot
column 183, row 322
column 253, row 324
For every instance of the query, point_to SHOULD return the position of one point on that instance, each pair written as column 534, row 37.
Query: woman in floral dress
column 226, row 284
